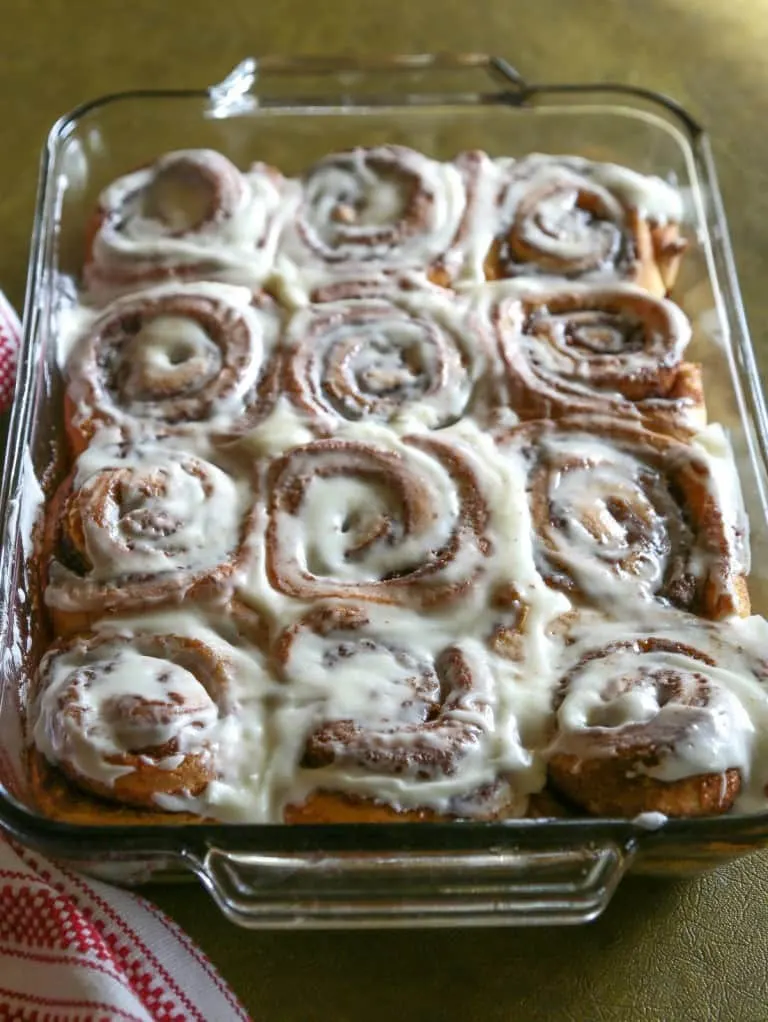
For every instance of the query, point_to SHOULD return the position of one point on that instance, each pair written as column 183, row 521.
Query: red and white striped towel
column 10, row 339
column 77, row 950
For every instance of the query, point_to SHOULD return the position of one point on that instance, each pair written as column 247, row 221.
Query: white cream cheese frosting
column 435, row 679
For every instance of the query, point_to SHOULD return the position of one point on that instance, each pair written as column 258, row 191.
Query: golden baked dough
column 355, row 487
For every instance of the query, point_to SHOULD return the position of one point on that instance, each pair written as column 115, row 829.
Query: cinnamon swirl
column 402, row 540
column 180, row 358
column 190, row 215
column 138, row 527
column 377, row 210
column 661, row 720
column 622, row 515
column 595, row 350
column 392, row 356
column 570, row 218
column 400, row 522
column 134, row 719
column 388, row 718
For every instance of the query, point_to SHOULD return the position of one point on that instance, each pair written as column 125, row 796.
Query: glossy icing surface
column 423, row 586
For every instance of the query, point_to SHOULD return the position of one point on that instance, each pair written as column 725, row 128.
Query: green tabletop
column 663, row 951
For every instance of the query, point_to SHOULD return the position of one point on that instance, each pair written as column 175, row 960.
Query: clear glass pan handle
column 360, row 81
column 506, row 887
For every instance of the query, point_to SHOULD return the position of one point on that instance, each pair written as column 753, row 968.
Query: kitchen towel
column 77, row 950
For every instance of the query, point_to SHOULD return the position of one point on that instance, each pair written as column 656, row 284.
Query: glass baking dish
column 289, row 112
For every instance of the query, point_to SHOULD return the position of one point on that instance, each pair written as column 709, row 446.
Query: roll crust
column 395, row 489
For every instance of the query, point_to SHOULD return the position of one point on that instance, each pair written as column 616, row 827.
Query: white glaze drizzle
column 29, row 503
column 653, row 198
column 107, row 684
column 408, row 359
column 260, row 747
column 233, row 736
column 167, row 512
column 583, row 352
column 159, row 360
column 352, row 211
column 560, row 228
column 317, row 533
column 710, row 742
column 730, row 731
column 725, row 490
column 340, row 508
column 239, row 241
column 595, row 546
column 350, row 689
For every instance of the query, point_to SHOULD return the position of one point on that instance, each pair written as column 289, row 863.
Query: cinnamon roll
column 132, row 719
column 570, row 218
column 393, row 499
column 401, row 522
column 139, row 527
column 190, row 215
column 657, row 721
column 622, row 516
column 388, row 721
column 595, row 350
column 321, row 807
column 181, row 359
column 377, row 210
column 390, row 356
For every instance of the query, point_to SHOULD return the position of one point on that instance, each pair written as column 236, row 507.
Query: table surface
column 690, row 950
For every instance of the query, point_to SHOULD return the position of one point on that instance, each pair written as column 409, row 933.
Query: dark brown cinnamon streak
column 566, row 217
column 178, row 360
column 137, row 532
column 592, row 349
column 355, row 520
column 621, row 514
